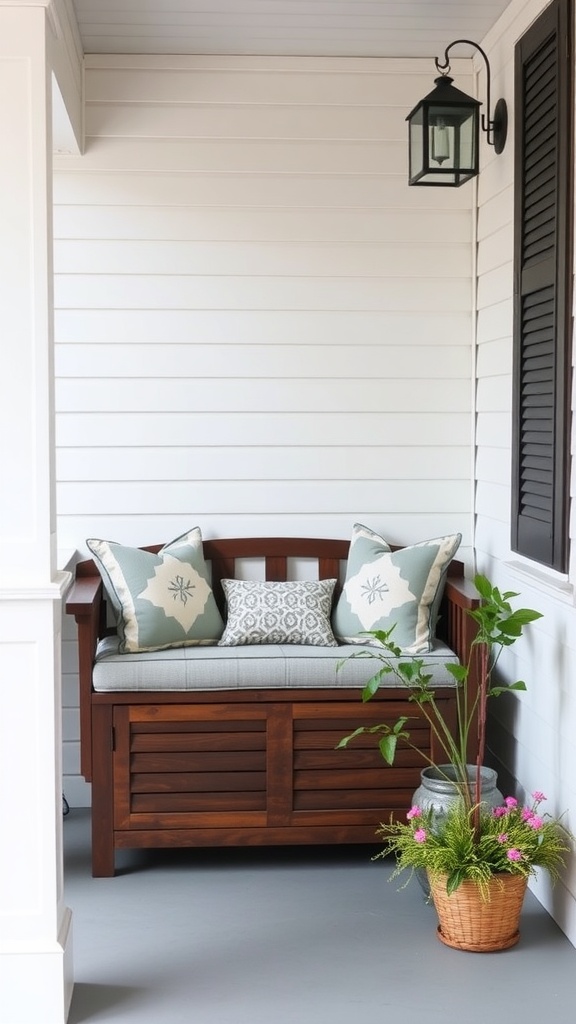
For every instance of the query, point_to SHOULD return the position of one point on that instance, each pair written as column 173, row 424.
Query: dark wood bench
column 183, row 769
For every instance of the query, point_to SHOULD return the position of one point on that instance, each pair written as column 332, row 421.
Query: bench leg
column 102, row 851
column 102, row 793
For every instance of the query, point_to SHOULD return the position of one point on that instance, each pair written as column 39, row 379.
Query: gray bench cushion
column 246, row 668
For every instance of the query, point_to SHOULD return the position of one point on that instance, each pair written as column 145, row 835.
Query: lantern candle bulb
column 440, row 142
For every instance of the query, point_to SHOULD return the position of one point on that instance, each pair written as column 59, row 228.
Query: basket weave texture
column 475, row 923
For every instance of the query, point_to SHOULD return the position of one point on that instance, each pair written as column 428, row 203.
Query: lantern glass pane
column 416, row 147
column 468, row 139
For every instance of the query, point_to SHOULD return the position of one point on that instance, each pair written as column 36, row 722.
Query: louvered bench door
column 352, row 786
column 202, row 766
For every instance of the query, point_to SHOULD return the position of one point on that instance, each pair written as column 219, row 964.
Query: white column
column 35, row 926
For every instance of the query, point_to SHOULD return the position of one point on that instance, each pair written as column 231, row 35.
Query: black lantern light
column 445, row 129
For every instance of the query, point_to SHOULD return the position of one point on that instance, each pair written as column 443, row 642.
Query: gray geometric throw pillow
column 295, row 612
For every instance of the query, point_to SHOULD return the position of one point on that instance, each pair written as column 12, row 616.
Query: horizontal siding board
column 71, row 723
column 345, row 398
column 156, row 188
column 295, row 360
column 70, row 683
column 494, row 429
column 493, row 393
column 326, row 259
column 125, row 291
column 495, row 321
column 493, row 465
column 495, row 286
column 494, row 358
column 496, row 177
column 495, row 213
column 496, row 249
column 91, row 429
column 71, row 757
column 70, row 656
column 493, row 500
column 247, row 121
column 446, row 328
column 253, row 156
column 205, row 498
column 265, row 463
column 190, row 223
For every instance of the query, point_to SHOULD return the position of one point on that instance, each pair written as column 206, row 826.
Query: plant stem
column 483, row 654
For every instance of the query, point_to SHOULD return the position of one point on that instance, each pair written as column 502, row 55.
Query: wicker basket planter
column 470, row 922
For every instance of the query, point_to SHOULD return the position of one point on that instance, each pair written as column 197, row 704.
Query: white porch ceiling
column 326, row 28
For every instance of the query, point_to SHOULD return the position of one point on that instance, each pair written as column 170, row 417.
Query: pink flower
column 527, row 813
column 498, row 812
column 534, row 821
column 514, row 854
column 420, row 835
column 538, row 796
column 503, row 837
column 511, row 802
column 414, row 812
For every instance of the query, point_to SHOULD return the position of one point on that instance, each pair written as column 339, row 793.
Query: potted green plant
column 499, row 626
column 478, row 865
column 477, row 851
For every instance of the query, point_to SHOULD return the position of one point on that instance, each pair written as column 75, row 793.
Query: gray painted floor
column 290, row 936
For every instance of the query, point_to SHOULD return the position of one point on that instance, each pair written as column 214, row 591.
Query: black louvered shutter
column 542, row 288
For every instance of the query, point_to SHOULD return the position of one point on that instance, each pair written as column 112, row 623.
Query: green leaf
column 373, row 684
column 495, row 691
column 399, row 725
column 525, row 615
column 460, row 672
column 483, row 586
column 346, row 739
column 510, row 627
column 454, row 879
column 388, row 746
column 370, row 688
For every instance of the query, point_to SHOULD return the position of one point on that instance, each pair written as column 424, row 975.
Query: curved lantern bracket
column 495, row 128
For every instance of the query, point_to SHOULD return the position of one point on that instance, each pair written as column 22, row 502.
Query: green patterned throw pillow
column 385, row 588
column 161, row 600
column 278, row 613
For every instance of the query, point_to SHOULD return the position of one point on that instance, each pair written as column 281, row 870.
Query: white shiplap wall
column 260, row 328
column 532, row 735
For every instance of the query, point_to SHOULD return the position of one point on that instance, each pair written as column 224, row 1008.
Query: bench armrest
column 462, row 592
column 84, row 593
column 85, row 603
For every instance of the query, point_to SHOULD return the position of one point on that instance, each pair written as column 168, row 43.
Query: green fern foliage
column 511, row 839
